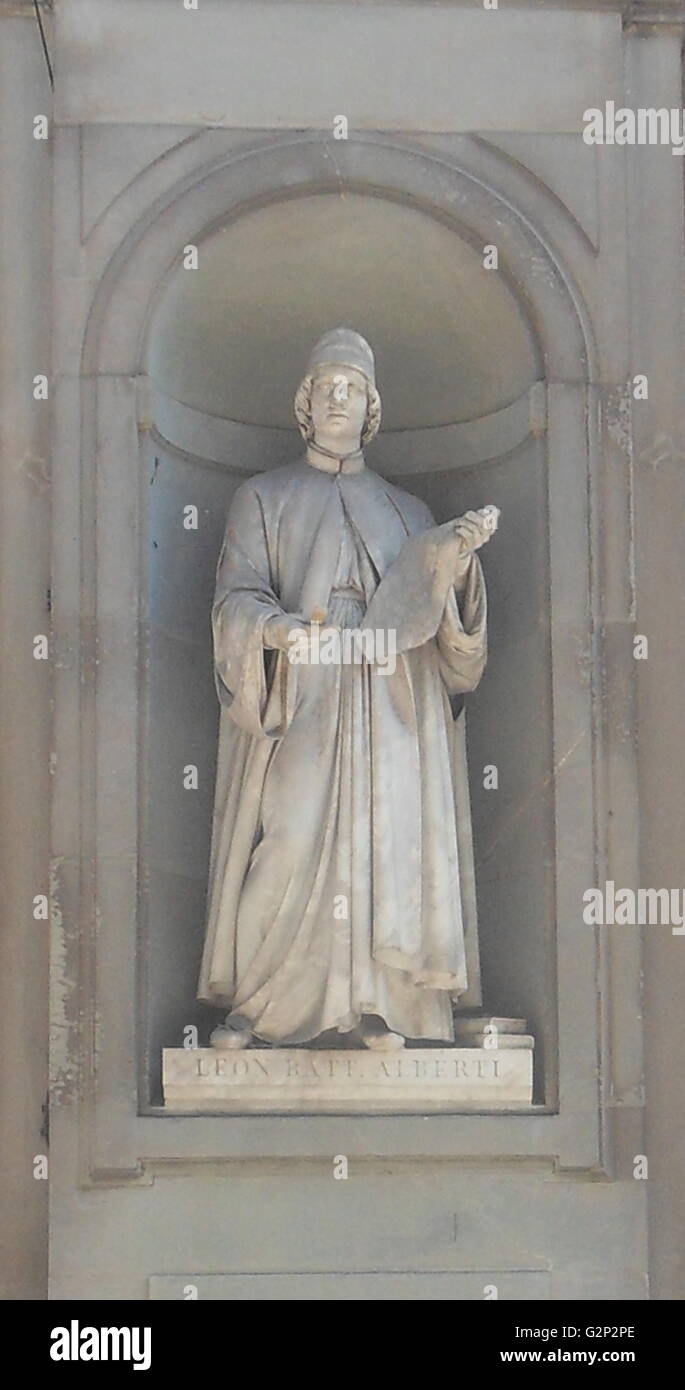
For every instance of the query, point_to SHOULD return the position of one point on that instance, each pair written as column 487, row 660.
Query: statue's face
column 339, row 403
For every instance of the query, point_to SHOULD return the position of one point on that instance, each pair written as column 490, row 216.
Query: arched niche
column 531, row 453
column 456, row 363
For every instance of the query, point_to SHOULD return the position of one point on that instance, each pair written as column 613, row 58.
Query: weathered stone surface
column 526, row 1285
column 436, row 1192
column 304, row 1080
column 461, row 66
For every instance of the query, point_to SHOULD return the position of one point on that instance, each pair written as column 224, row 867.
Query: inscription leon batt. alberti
column 277, row 1067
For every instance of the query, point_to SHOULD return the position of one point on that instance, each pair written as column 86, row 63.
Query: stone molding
column 96, row 857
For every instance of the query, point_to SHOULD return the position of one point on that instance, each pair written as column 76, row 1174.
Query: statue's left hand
column 462, row 537
column 473, row 529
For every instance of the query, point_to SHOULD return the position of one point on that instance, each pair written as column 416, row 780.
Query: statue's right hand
column 284, row 631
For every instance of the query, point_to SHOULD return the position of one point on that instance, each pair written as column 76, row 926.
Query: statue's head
column 337, row 398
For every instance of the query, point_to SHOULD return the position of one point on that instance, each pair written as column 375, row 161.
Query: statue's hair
column 303, row 410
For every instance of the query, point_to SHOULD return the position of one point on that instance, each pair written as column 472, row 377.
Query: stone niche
column 185, row 388
column 461, row 375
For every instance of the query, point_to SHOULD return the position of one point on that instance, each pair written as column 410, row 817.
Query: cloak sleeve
column 417, row 599
column 462, row 633
column 251, row 683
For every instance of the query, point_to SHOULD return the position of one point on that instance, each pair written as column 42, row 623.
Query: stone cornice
column 19, row 7
column 653, row 14
column 635, row 13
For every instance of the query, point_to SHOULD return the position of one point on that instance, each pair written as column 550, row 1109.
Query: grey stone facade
column 215, row 128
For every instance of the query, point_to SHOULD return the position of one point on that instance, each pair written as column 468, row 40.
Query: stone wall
column 168, row 127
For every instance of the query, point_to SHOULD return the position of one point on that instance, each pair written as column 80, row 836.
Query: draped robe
column 341, row 875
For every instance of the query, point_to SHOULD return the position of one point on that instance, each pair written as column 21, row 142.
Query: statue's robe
column 341, row 874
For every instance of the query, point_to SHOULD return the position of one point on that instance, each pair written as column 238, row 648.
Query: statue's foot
column 234, row 1032
column 375, row 1035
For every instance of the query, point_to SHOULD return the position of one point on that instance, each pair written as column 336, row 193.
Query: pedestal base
column 304, row 1081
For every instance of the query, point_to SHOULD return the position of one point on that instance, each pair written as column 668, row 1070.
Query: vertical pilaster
column 657, row 281
column 24, row 581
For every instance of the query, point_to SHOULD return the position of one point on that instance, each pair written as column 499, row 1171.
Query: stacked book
column 488, row 1031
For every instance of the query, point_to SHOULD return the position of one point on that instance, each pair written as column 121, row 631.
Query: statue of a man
column 341, row 891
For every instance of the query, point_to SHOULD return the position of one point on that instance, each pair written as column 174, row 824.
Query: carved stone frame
column 203, row 182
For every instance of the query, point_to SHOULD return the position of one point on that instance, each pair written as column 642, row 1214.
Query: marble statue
column 341, row 894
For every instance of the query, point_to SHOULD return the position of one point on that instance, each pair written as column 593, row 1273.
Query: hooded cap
column 342, row 347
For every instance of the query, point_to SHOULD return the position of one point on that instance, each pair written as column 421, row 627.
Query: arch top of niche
column 144, row 259
column 230, row 340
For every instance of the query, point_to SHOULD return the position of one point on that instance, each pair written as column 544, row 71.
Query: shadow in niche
column 182, row 721
column 509, row 717
column 509, row 728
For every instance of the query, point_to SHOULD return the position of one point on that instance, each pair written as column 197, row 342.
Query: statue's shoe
column 231, row 1036
column 378, row 1038
column 385, row 1042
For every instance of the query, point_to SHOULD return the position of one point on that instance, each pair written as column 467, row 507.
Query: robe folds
column 341, row 875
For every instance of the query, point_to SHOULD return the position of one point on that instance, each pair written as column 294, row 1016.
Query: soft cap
column 342, row 347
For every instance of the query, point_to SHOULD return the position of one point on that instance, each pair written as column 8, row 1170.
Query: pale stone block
column 461, row 66
column 306, row 1080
